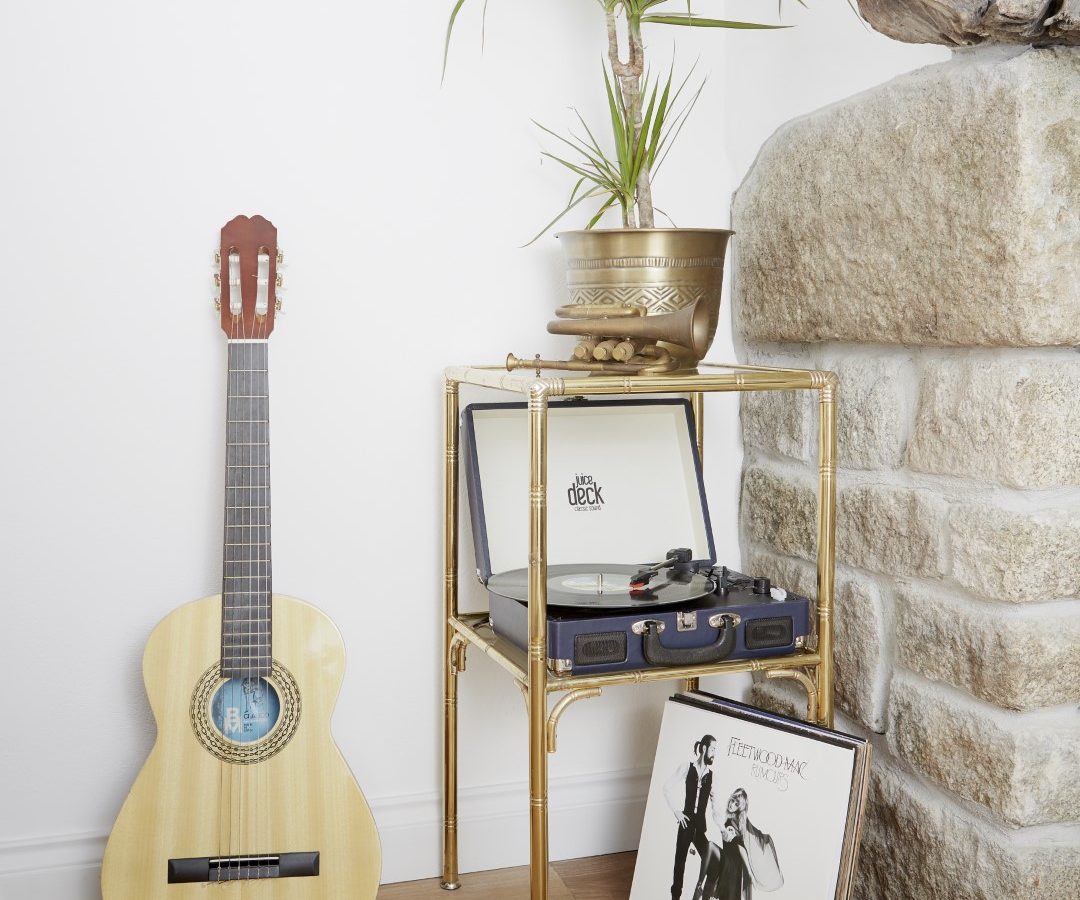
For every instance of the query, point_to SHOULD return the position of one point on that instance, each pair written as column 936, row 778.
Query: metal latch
column 717, row 621
column 639, row 627
column 687, row 620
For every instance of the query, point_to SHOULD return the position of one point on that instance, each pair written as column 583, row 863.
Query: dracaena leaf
column 449, row 31
column 695, row 22
column 593, row 193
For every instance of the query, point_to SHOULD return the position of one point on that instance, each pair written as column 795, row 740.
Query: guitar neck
column 246, row 611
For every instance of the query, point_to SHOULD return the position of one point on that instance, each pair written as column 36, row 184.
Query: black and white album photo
column 743, row 807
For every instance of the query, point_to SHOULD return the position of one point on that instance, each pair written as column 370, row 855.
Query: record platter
column 609, row 586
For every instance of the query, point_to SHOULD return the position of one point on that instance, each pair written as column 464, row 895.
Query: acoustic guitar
column 245, row 787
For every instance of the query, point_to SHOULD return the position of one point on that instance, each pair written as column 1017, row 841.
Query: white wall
column 131, row 133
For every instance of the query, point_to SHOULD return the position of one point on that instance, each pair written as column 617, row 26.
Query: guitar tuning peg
column 277, row 281
column 217, row 279
column 277, row 306
column 217, row 257
column 217, row 304
column 280, row 257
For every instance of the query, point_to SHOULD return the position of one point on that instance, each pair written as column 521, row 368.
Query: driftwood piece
column 965, row 23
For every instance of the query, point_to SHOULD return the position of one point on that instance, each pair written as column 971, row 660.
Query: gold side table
column 811, row 667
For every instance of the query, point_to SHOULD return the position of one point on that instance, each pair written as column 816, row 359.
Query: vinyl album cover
column 745, row 805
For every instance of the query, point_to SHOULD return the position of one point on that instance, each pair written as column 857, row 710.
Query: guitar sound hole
column 245, row 710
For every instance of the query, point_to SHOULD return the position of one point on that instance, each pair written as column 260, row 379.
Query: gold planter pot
column 664, row 270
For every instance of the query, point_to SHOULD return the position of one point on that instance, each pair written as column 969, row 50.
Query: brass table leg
column 807, row 684
column 826, row 572
column 697, row 406
column 538, row 761
column 450, row 878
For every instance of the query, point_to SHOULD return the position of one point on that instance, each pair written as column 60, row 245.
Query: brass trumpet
column 626, row 341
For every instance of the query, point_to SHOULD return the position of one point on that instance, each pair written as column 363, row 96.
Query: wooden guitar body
column 292, row 794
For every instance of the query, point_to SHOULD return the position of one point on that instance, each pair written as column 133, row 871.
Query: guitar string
column 263, row 382
column 225, row 837
column 251, row 663
column 268, row 597
column 260, row 353
column 226, row 629
column 242, row 652
column 239, row 651
column 248, row 671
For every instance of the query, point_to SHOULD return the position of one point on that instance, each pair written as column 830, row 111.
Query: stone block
column 1016, row 557
column 919, row 845
column 780, row 512
column 965, row 23
column 873, row 410
column 1020, row 766
column 1014, row 658
column 1011, row 422
column 779, row 422
column 893, row 530
column 779, row 695
column 861, row 657
column 940, row 208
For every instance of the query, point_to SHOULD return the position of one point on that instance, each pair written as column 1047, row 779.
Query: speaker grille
column 763, row 634
column 605, row 647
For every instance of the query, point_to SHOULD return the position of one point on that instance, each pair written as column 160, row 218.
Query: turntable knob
column 762, row 586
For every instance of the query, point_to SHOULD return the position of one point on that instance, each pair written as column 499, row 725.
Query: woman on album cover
column 746, row 859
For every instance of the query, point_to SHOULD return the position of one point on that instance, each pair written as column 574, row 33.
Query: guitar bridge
column 243, row 867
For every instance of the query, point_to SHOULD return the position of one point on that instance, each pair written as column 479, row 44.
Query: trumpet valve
column 605, row 349
column 624, row 351
column 585, row 347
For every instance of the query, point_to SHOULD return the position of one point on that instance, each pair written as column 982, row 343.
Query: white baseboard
column 60, row 867
column 588, row 815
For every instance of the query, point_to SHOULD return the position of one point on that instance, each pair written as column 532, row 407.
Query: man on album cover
column 745, row 859
column 688, row 792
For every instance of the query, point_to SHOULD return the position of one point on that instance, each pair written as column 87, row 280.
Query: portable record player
column 624, row 488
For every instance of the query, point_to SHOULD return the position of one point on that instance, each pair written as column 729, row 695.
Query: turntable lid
column 624, row 483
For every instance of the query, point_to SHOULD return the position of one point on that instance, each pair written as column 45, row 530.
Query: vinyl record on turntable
column 605, row 586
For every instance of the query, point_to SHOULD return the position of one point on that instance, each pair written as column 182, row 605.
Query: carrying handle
column 656, row 654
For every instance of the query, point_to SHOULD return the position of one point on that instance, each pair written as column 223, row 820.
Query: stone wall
column 922, row 240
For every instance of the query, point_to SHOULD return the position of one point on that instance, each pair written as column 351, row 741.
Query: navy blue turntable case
column 624, row 488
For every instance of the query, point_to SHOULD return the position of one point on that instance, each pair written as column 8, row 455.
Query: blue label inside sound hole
column 245, row 709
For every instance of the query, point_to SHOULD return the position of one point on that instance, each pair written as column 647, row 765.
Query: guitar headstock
column 247, row 276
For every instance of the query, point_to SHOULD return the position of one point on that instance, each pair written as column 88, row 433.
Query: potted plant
column 622, row 279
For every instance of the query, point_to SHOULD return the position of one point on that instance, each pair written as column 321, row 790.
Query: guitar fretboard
column 246, row 609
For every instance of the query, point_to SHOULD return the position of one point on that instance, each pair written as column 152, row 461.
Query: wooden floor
column 591, row 878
